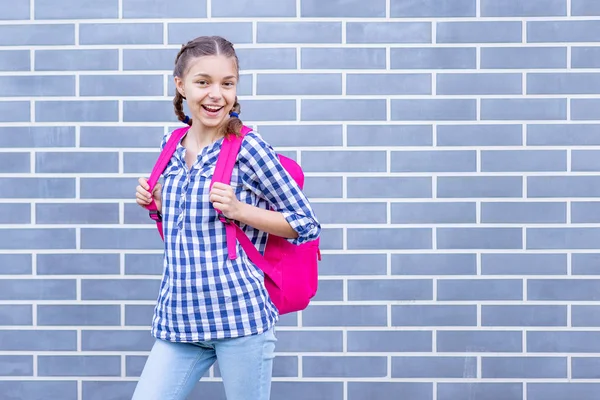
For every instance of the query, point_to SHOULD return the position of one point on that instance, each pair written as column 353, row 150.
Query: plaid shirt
column 203, row 294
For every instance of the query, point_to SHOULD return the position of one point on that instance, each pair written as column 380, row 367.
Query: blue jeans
column 173, row 369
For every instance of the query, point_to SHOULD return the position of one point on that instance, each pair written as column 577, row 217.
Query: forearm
column 272, row 222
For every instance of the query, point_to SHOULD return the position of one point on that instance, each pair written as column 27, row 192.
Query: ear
column 179, row 86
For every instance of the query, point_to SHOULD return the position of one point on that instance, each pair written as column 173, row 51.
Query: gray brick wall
column 452, row 152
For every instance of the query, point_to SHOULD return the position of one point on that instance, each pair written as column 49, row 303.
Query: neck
column 202, row 136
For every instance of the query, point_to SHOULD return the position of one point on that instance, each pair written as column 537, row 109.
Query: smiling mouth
column 212, row 109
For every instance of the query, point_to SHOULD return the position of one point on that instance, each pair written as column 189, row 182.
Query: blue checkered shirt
column 203, row 294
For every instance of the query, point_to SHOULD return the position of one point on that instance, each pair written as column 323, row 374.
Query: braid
column 178, row 105
column 234, row 124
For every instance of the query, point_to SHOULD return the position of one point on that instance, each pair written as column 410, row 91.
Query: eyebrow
column 208, row 76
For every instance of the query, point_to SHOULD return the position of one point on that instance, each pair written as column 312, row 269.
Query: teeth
column 212, row 108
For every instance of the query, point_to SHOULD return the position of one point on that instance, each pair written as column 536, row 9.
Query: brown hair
column 206, row 46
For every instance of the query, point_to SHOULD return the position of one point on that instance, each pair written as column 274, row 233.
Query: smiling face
column 210, row 86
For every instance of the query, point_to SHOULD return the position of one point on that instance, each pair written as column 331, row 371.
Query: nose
column 215, row 92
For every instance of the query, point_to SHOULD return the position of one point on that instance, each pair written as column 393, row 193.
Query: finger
column 143, row 192
column 142, row 198
column 144, row 183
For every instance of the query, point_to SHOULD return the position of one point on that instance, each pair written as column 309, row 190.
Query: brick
column 121, row 137
column 584, row 109
column 78, row 315
column 351, row 213
column 585, row 212
column 298, row 32
column 481, row 135
column 432, row 8
column 149, row 59
column 13, row 365
column 388, row 84
column 516, row 8
column 79, row 366
column 138, row 315
column 235, row 32
column 523, row 315
column 344, row 316
column 562, row 238
column 434, row 367
column 138, row 162
column 434, row 315
column 480, row 391
column 382, row 390
column 585, row 264
column 433, row 58
column 121, row 85
column 299, row 84
column 116, row 340
column 433, row 213
column 585, row 57
column 353, row 264
column 312, row 390
column 384, row 187
column 77, row 264
column 15, row 163
column 432, row 264
column 523, row 57
column 14, row 10
column 15, row 264
column 37, row 35
column 343, row 58
column 53, row 188
column 389, row 135
column 76, row 111
column 302, row 135
column 524, row 367
column 479, row 238
column 523, row 160
column 585, row 316
column 38, row 340
column 143, row 264
column 585, row 367
column 37, row 239
column 331, row 239
column 285, row 367
column 119, row 289
column 69, row 213
column 148, row 111
column 522, row 263
column 563, row 289
column 241, row 8
column 388, row 32
column 276, row 58
column 121, row 33
column 523, row 109
column 585, row 160
column 349, row 110
column 344, row 367
column 269, row 110
column 98, row 390
column 389, row 238
column 158, row 9
column 523, row 213
column 584, row 8
column 563, row 186
column 345, row 8
column 77, row 60
column 81, row 162
column 563, row 31
column 37, row 136
column 563, row 342
column 16, row 314
column 37, row 289
column 14, row 60
column 15, row 111
column 556, row 391
column 479, row 289
column 134, row 365
column 124, row 239
column 479, row 341
column 309, row 341
column 479, row 32
column 389, row 341
column 343, row 161
column 39, row 390
column 390, row 289
column 75, row 9
column 434, row 110
column 563, row 83
column 134, row 214
column 473, row 84
column 434, row 161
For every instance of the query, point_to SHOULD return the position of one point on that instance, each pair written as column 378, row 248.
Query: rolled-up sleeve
column 278, row 188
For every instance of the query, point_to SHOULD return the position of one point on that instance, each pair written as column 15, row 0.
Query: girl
column 210, row 307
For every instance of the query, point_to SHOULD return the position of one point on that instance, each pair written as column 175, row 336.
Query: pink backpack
column 291, row 274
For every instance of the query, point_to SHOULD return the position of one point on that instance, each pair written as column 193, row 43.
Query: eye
column 229, row 84
column 202, row 83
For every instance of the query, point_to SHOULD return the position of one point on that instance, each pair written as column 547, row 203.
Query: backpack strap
column 223, row 169
column 159, row 167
